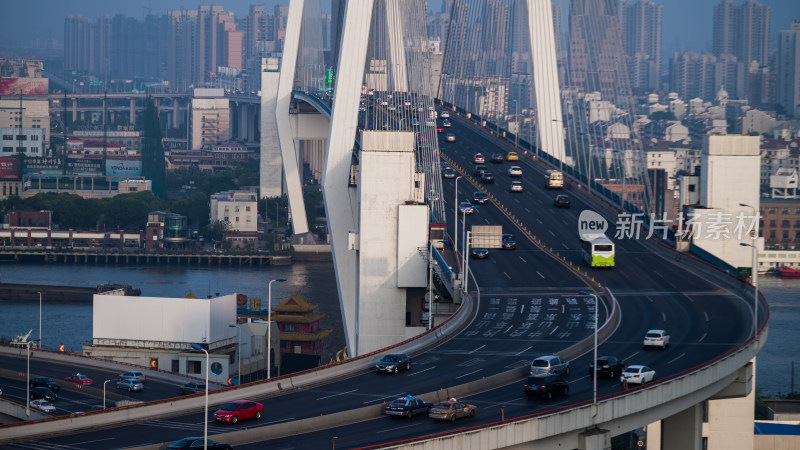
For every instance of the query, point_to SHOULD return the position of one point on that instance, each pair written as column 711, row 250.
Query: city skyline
column 20, row 27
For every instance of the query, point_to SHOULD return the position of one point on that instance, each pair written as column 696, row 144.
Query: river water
column 71, row 323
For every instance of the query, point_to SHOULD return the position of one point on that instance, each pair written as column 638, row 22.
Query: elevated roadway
column 655, row 288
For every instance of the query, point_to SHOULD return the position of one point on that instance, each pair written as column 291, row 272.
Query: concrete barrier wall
column 14, row 409
column 196, row 402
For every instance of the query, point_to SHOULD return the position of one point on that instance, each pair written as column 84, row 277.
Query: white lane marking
column 486, row 220
column 506, row 275
column 565, row 222
column 508, row 329
column 565, row 246
column 659, row 274
column 702, row 337
column 336, row 395
column 466, row 374
column 540, row 222
column 551, row 233
column 648, row 299
column 540, row 274
column 396, row 428
column 484, row 345
column 629, row 357
column 523, row 351
column 664, row 316
column 705, row 314
column 521, row 309
column 420, row 371
column 554, row 330
column 383, row 398
column 679, row 357
column 526, row 209
column 523, row 260
column 277, row 421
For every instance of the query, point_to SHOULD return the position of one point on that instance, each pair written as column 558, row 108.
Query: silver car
column 130, row 385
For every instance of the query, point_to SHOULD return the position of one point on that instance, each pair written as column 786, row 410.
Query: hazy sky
column 687, row 23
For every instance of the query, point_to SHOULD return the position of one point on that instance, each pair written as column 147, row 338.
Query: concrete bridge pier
column 133, row 112
column 683, row 431
column 594, row 439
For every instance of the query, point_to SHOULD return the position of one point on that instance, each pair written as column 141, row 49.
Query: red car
column 439, row 129
column 239, row 409
column 79, row 379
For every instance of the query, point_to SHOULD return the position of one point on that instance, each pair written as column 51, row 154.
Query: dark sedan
column 497, row 158
column 487, row 178
column 393, row 363
column 508, row 242
column 43, row 392
column 480, row 198
column 45, row 382
column 407, row 406
column 607, row 366
column 197, row 443
column 480, row 253
column 561, row 201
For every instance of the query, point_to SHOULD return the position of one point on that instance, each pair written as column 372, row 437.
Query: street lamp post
column 205, row 414
column 104, row 393
column 28, row 383
column 594, row 375
column 238, row 352
column 40, row 317
column 269, row 325
column 754, row 269
column 455, row 213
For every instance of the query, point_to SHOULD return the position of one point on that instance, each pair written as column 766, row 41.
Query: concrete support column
column 594, row 439
column 252, row 115
column 104, row 112
column 133, row 112
column 74, row 109
column 176, row 105
column 683, row 431
column 243, row 109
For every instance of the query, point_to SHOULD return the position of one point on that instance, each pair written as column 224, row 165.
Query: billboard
column 76, row 166
column 24, row 86
column 123, row 167
column 9, row 168
column 45, row 166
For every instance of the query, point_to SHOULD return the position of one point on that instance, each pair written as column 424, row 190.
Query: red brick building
column 780, row 223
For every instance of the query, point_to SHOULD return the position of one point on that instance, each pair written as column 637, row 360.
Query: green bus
column 597, row 250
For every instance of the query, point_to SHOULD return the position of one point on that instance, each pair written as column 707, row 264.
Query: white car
column 516, row 186
column 450, row 137
column 515, row 171
column 43, row 405
column 637, row 375
column 656, row 338
column 466, row 208
column 444, row 115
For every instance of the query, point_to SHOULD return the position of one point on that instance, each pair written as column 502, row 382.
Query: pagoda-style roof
column 295, row 304
column 308, row 318
column 190, row 295
column 304, row 337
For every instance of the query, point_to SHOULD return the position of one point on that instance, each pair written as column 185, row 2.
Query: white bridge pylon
column 373, row 303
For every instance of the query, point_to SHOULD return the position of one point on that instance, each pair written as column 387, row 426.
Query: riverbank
column 29, row 292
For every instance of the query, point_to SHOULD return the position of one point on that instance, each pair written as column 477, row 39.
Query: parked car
column 508, row 242
column 637, row 374
column 130, row 385
column 512, row 156
column 607, row 366
column 497, row 158
column 545, row 386
column 466, row 208
column 487, row 178
column 43, row 393
column 407, row 406
column 656, row 338
column 515, row 171
column 43, row 405
column 393, row 363
column 480, row 253
column 196, row 443
column 238, row 410
column 478, row 158
column 192, row 388
column 451, row 410
column 516, row 186
column 450, row 137
column 135, row 376
column 479, row 198
column 79, row 379
column 44, row 382
column 561, row 201
column 549, row 364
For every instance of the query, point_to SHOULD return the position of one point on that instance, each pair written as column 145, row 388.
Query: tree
column 662, row 115
column 154, row 166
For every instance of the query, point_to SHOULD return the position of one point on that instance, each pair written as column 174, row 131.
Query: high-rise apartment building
column 280, row 16
column 80, row 48
column 641, row 35
column 259, row 26
column 701, row 75
column 594, row 59
column 788, row 69
column 138, row 47
column 182, row 65
column 742, row 30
